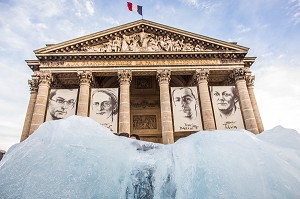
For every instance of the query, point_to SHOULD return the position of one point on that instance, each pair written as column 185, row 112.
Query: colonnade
column 40, row 86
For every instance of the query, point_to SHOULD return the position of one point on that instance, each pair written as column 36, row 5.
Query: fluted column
column 250, row 85
column 124, row 77
column 85, row 78
column 33, row 84
column 201, row 77
column 164, row 77
column 245, row 103
column 39, row 112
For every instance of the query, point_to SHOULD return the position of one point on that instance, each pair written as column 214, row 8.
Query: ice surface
column 78, row 158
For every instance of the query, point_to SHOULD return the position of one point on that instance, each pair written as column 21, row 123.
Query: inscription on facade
column 141, row 104
column 144, row 122
column 140, row 63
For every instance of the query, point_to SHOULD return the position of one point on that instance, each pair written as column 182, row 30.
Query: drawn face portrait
column 186, row 109
column 61, row 103
column 185, row 102
column 102, row 104
column 225, row 98
column 226, row 107
column 104, row 107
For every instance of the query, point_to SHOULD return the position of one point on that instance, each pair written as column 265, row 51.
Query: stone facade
column 143, row 60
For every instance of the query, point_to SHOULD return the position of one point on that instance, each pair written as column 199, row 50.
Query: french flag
column 134, row 7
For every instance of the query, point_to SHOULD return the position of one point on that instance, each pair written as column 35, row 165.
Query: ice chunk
column 78, row 158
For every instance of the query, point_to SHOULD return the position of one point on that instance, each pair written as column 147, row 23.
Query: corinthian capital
column 33, row 83
column 201, row 75
column 124, row 76
column 45, row 78
column 85, row 77
column 238, row 74
column 163, row 76
column 250, row 80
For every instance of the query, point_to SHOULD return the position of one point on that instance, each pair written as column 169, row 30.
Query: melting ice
column 78, row 158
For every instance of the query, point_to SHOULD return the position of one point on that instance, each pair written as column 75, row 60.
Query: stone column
column 201, row 77
column 124, row 77
column 245, row 103
column 85, row 78
column 164, row 77
column 33, row 84
column 39, row 112
column 250, row 84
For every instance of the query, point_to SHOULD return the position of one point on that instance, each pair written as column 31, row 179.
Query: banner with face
column 61, row 104
column 226, row 107
column 186, row 111
column 104, row 107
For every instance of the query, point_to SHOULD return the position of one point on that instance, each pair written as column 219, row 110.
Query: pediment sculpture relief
column 139, row 42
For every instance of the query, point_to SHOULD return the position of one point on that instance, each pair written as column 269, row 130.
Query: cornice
column 248, row 61
column 141, row 56
column 33, row 64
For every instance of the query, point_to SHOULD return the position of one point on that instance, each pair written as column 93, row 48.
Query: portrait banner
column 61, row 104
column 226, row 107
column 186, row 109
column 104, row 107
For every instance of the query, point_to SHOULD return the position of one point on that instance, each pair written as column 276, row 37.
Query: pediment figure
column 144, row 42
column 141, row 36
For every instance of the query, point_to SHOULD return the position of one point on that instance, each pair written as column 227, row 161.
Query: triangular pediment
column 141, row 36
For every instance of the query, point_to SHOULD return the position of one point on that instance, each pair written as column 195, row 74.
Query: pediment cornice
column 138, row 37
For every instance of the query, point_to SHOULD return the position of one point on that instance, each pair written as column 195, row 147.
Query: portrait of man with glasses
column 104, row 107
column 62, row 103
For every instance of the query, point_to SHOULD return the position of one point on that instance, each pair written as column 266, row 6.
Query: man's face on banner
column 185, row 102
column 60, row 103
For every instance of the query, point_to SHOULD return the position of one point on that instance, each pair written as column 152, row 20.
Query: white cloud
column 207, row 6
column 84, row 7
column 90, row 7
column 242, row 29
column 192, row 2
column 41, row 8
column 294, row 11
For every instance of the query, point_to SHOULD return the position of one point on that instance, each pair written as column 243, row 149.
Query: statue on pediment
column 140, row 42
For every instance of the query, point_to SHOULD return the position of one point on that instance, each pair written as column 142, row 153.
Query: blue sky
column 270, row 28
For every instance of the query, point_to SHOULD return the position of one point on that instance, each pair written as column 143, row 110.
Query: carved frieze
column 144, row 42
column 144, row 122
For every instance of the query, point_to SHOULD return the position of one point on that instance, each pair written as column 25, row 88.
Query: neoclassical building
column 146, row 78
